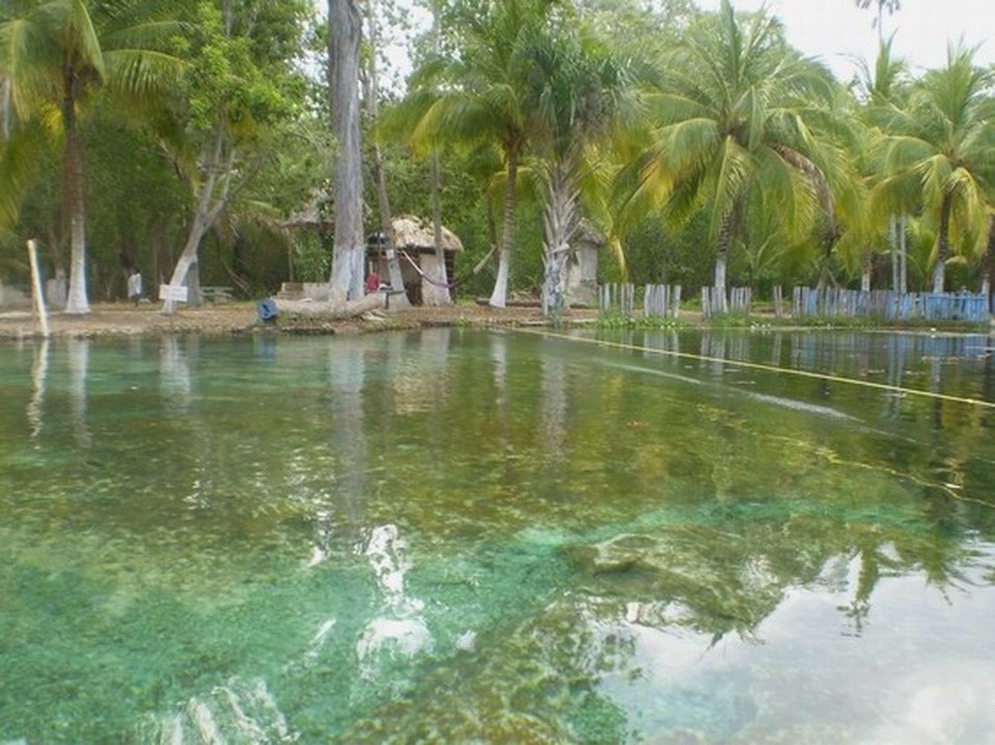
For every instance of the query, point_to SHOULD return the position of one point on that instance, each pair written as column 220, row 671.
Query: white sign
column 176, row 293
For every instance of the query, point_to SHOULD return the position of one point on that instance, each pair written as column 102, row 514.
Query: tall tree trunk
column 383, row 198
column 346, row 281
column 903, row 257
column 895, row 258
column 5, row 107
column 439, row 293
column 722, row 258
column 559, row 226
column 988, row 263
column 943, row 244
column 185, row 271
column 499, row 297
column 77, row 302
column 387, row 229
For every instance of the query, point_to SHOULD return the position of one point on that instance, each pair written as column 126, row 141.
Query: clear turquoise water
column 459, row 536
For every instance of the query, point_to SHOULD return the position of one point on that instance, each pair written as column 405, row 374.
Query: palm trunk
column 722, row 259
column 438, row 292
column 943, row 244
column 77, row 302
column 559, row 225
column 387, row 230
column 5, row 107
column 903, row 257
column 899, row 254
column 499, row 297
column 866, row 267
column 988, row 262
column 383, row 198
column 346, row 281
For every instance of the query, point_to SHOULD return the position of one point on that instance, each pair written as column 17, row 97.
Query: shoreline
column 240, row 317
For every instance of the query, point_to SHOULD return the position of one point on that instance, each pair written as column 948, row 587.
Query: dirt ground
column 241, row 317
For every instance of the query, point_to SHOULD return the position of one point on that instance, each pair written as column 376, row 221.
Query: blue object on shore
column 268, row 311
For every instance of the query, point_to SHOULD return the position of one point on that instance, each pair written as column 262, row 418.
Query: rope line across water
column 768, row 368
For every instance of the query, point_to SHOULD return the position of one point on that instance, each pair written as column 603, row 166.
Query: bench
column 387, row 291
column 214, row 294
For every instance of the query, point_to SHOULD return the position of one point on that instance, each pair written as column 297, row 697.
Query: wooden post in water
column 38, row 299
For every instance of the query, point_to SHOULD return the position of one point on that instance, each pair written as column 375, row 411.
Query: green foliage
column 616, row 320
column 936, row 154
column 721, row 123
column 241, row 64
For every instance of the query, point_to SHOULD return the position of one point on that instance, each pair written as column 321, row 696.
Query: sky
column 836, row 30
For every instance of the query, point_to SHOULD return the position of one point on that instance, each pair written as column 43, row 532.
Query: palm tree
column 732, row 133
column 938, row 153
column 580, row 92
column 55, row 53
column 480, row 97
column 879, row 89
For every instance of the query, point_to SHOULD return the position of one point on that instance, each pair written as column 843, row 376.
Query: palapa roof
column 415, row 233
column 588, row 233
column 317, row 213
column 410, row 231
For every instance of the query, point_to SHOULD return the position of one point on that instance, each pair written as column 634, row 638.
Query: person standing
column 135, row 286
column 372, row 282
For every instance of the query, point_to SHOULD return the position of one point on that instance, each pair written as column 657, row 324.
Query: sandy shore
column 238, row 318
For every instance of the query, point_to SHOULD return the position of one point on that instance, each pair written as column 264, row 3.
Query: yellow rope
column 768, row 368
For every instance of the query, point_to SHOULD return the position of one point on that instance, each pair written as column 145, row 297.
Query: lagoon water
column 460, row 536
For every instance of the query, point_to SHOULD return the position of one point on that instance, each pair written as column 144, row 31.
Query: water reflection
column 496, row 537
column 346, row 372
column 499, row 358
column 39, row 373
column 399, row 627
column 79, row 360
column 174, row 371
column 554, row 407
column 945, row 364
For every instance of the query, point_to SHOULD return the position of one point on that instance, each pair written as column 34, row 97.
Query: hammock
column 447, row 285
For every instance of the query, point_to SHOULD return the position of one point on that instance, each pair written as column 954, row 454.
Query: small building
column 582, row 266
column 414, row 239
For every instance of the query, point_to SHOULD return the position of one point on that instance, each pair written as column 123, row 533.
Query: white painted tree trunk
column 383, row 197
column 895, row 259
column 346, row 281
column 903, row 257
column 720, row 280
column 436, row 292
column 559, row 226
column 499, row 296
column 943, row 247
column 77, row 303
column 5, row 107
column 205, row 217
column 188, row 257
column 865, row 281
column 722, row 260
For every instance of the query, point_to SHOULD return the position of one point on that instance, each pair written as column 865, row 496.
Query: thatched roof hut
column 414, row 239
column 416, row 235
